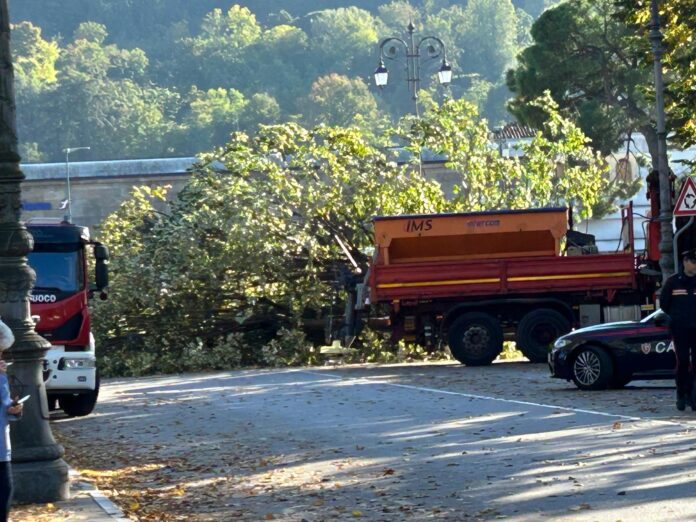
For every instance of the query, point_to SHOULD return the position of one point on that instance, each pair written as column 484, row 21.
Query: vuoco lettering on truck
column 473, row 280
column 59, row 305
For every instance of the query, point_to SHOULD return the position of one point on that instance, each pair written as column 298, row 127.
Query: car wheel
column 475, row 339
column 538, row 330
column 592, row 368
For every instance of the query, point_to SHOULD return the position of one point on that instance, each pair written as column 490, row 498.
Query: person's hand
column 3, row 366
column 15, row 409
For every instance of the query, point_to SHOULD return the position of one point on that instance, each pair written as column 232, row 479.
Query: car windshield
column 61, row 271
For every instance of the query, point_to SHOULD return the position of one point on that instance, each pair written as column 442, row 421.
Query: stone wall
column 99, row 187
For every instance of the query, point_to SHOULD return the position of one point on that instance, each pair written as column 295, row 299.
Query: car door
column 650, row 348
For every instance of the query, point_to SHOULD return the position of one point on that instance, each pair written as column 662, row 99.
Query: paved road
column 418, row 442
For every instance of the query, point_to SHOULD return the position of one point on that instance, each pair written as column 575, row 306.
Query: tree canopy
column 678, row 24
column 593, row 65
column 171, row 77
column 595, row 59
column 257, row 227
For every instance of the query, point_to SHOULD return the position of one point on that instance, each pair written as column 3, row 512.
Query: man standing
column 678, row 300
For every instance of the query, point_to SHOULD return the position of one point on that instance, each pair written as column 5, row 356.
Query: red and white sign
column 686, row 202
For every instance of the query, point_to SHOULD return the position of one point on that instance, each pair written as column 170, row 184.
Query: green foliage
column 559, row 167
column 249, row 245
column 214, row 114
column 244, row 258
column 376, row 347
column 111, row 107
column 224, row 35
column 595, row 68
column 678, row 23
column 341, row 101
column 510, row 352
column 167, row 58
column 343, row 36
column 397, row 14
column 35, row 63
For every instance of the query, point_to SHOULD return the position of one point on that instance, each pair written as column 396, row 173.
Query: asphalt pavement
column 400, row 442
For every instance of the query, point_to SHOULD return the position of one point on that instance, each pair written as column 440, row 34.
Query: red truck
column 473, row 280
column 59, row 305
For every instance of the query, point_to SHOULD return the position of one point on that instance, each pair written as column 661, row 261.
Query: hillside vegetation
column 151, row 78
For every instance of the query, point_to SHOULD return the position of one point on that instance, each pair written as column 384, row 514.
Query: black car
column 613, row 354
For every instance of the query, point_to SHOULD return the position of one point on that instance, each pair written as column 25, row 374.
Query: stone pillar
column 40, row 474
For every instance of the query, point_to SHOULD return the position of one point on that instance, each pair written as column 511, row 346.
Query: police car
column 613, row 354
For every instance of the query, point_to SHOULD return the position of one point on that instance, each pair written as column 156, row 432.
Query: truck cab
column 59, row 306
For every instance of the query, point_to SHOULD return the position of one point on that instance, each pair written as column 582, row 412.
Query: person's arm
column 666, row 296
column 12, row 410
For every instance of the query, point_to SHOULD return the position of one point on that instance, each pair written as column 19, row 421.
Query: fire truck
column 59, row 306
column 475, row 280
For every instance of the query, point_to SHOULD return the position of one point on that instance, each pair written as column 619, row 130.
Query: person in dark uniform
column 678, row 300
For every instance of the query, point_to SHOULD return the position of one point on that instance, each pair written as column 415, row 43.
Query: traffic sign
column 686, row 202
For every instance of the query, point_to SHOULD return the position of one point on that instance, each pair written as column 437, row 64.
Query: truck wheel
column 538, row 330
column 593, row 369
column 475, row 339
column 82, row 404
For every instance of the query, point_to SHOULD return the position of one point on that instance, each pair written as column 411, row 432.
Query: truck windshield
column 60, row 271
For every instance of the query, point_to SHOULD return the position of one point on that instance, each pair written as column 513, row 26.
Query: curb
column 105, row 504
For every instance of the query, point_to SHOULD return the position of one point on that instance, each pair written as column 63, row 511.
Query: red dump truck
column 474, row 280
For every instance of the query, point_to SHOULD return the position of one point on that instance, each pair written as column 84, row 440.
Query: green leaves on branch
column 558, row 166
column 244, row 257
column 248, row 247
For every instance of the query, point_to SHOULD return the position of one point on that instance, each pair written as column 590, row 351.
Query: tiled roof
column 513, row 131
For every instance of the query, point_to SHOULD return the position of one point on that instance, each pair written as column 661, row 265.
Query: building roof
column 114, row 168
column 513, row 131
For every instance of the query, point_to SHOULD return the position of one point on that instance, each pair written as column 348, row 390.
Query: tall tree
column 344, row 39
column 678, row 24
column 213, row 115
column 596, row 70
column 257, row 227
column 113, row 108
column 340, row 101
column 36, row 75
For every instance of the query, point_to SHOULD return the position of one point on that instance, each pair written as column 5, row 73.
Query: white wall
column 607, row 230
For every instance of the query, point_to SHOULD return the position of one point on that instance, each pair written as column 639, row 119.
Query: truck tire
column 82, row 404
column 537, row 332
column 475, row 339
column 592, row 368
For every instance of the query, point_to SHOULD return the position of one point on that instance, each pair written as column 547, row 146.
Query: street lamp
column 67, row 151
column 39, row 472
column 434, row 48
column 667, row 261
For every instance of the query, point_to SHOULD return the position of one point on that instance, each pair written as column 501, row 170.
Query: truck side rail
column 597, row 272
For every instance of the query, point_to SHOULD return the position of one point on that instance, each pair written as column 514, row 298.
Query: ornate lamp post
column 666, row 232
column 67, row 151
column 433, row 47
column 40, row 474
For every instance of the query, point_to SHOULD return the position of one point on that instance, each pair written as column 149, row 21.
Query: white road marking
column 509, row 401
